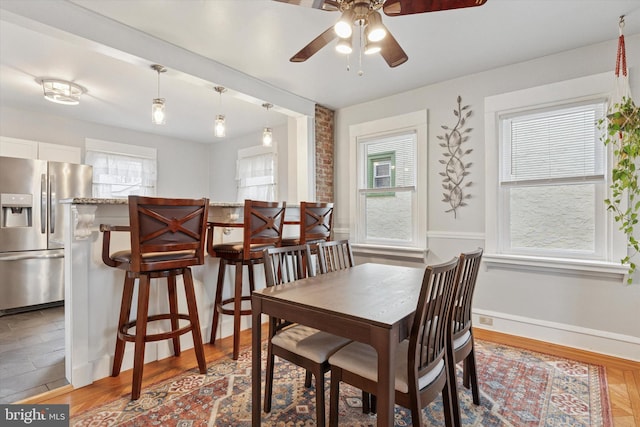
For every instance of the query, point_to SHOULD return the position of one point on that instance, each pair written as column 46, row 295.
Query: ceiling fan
column 365, row 15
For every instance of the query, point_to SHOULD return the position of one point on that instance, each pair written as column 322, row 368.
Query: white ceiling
column 108, row 46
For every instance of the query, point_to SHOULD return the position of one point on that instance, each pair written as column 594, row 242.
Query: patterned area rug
column 518, row 388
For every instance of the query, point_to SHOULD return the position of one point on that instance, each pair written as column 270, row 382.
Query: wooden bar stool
column 167, row 238
column 262, row 228
column 316, row 220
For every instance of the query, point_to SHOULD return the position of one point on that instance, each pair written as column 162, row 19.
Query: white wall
column 592, row 312
column 183, row 166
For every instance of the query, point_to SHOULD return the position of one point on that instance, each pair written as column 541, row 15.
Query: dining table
column 371, row 303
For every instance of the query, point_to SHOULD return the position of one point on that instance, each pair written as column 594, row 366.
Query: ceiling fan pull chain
column 360, row 72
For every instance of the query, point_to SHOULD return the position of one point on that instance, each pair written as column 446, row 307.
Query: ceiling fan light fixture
column 61, row 91
column 376, row 30
column 344, row 26
column 372, row 47
column 344, row 46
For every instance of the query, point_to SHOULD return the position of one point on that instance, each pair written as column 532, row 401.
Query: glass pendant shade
column 376, row 30
column 219, row 126
column 372, row 47
column 343, row 27
column 267, row 137
column 158, row 115
column 344, row 46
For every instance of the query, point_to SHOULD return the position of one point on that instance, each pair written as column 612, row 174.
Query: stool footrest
column 124, row 335
column 221, row 309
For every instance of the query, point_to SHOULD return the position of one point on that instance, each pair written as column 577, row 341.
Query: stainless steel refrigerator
column 31, row 228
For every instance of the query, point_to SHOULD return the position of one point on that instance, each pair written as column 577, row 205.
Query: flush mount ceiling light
column 158, row 115
column 267, row 132
column 61, row 91
column 219, row 125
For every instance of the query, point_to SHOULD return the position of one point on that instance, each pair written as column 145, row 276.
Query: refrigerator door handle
column 52, row 204
column 18, row 256
column 43, row 203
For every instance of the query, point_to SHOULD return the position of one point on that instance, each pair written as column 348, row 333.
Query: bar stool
column 167, row 238
column 316, row 221
column 262, row 228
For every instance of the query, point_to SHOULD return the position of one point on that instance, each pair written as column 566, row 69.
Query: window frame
column 599, row 180
column 578, row 90
column 411, row 122
column 132, row 152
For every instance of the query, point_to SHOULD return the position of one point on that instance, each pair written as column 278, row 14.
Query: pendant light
column 158, row 116
column 219, row 125
column 267, row 132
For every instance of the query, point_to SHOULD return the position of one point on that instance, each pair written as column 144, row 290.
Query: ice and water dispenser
column 16, row 210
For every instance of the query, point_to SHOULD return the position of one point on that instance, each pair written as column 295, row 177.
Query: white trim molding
column 603, row 342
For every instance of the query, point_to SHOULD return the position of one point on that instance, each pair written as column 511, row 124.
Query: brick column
column 324, row 154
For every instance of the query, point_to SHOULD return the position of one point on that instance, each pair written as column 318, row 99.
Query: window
column 381, row 170
column 546, row 179
column 552, row 182
column 256, row 171
column 121, row 169
column 388, row 164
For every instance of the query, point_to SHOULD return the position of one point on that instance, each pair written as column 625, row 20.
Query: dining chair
column 335, row 255
column 262, row 228
column 167, row 238
column 462, row 328
column 421, row 371
column 301, row 345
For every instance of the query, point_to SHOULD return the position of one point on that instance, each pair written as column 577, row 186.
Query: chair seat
column 295, row 241
column 235, row 249
column 461, row 340
column 124, row 257
column 362, row 360
column 309, row 342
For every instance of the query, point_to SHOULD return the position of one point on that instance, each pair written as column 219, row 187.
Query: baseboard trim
column 596, row 341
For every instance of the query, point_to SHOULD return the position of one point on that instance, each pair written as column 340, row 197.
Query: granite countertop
column 100, row 201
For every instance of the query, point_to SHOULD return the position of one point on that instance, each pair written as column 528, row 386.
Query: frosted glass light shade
column 158, row 115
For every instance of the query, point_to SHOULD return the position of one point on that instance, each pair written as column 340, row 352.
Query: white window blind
column 553, row 145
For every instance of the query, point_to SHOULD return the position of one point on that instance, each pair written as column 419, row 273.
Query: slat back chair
column 461, row 327
column 167, row 238
column 421, row 372
column 262, row 228
column 335, row 255
column 301, row 345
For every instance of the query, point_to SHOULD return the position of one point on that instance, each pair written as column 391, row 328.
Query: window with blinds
column 552, row 182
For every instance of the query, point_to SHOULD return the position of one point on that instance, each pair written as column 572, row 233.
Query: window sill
column 575, row 267
column 396, row 252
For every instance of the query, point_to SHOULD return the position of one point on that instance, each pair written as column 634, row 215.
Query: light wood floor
column 623, row 376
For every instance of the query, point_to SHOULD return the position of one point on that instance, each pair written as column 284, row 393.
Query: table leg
column 385, row 342
column 256, row 359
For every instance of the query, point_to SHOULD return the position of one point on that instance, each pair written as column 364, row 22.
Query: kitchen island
column 93, row 290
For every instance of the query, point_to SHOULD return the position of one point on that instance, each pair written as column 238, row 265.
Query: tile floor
column 31, row 353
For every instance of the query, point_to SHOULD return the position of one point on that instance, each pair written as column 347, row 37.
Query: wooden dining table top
column 378, row 293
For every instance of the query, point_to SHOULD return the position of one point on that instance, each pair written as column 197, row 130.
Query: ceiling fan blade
column 314, row 46
column 329, row 5
column 392, row 52
column 408, row 7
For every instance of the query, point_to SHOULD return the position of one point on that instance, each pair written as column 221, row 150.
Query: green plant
column 623, row 134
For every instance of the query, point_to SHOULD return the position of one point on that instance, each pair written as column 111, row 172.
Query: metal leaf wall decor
column 456, row 169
